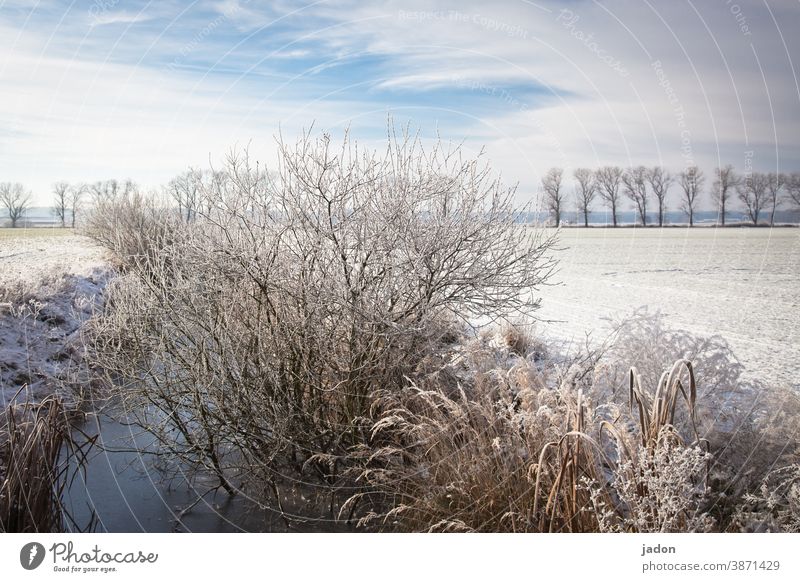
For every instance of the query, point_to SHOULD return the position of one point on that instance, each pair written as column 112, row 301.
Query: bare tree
column 103, row 190
column 585, row 191
column 691, row 180
column 635, row 182
column 76, row 194
column 608, row 180
column 553, row 194
column 61, row 201
column 753, row 192
column 725, row 183
column 660, row 180
column 15, row 199
column 775, row 183
column 793, row 188
column 186, row 190
column 107, row 190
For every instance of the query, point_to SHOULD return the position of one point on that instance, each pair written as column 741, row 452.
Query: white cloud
column 101, row 18
column 548, row 93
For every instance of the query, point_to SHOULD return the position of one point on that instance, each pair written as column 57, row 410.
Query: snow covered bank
column 48, row 288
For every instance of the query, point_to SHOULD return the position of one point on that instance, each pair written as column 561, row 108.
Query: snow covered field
column 49, row 282
column 740, row 283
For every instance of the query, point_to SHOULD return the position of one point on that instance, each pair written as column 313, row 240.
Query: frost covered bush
column 252, row 340
column 513, row 443
column 135, row 226
column 658, row 490
column 775, row 505
column 304, row 328
column 748, row 427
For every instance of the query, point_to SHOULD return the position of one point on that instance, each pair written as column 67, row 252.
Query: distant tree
column 108, row 190
column 186, row 189
column 15, row 199
column 103, row 190
column 753, row 192
column 660, row 180
column 585, row 191
column 214, row 185
column 793, row 188
column 61, row 201
column 553, row 193
column 691, row 180
column 75, row 196
column 775, row 183
column 635, row 182
column 725, row 183
column 608, row 180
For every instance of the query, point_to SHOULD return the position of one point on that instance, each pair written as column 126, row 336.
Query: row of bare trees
column 189, row 191
column 68, row 199
column 758, row 192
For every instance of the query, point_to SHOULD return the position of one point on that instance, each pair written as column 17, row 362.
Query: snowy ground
column 740, row 283
column 49, row 282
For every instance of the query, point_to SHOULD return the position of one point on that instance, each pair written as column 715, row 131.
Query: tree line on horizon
column 758, row 192
column 68, row 199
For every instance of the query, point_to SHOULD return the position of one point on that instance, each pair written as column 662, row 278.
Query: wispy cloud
column 149, row 89
column 122, row 17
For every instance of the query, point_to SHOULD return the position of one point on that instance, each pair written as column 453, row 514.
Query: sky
column 100, row 89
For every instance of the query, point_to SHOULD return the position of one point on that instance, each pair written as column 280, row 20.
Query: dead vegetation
column 38, row 459
column 308, row 326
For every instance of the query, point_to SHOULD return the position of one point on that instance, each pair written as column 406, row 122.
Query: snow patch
column 49, row 286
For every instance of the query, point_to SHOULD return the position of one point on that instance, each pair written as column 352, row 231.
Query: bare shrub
column 252, row 340
column 133, row 225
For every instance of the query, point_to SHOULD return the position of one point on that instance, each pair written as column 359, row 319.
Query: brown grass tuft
column 34, row 468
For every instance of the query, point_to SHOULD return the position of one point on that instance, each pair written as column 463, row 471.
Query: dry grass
column 37, row 460
column 519, row 448
column 39, row 232
column 657, row 411
column 504, row 452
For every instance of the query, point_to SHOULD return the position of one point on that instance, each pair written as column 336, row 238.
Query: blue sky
column 112, row 88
